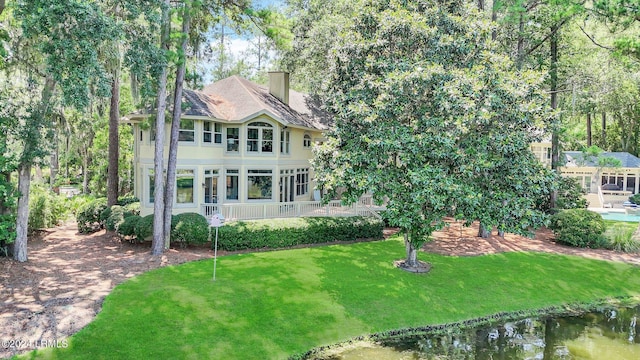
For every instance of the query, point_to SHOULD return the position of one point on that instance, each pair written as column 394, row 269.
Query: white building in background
column 607, row 184
column 239, row 143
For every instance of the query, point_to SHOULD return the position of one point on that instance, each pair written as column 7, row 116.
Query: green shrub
column 117, row 214
column 104, row 215
column 579, row 227
column 279, row 233
column 127, row 229
column 89, row 216
column 76, row 203
column 144, row 228
column 127, row 199
column 133, row 208
column 46, row 209
column 7, row 233
column 189, row 228
column 620, row 238
column 635, row 199
column 570, row 196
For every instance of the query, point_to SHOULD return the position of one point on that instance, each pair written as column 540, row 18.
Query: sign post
column 215, row 221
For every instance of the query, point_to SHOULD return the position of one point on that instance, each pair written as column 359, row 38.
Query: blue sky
column 264, row 3
column 238, row 44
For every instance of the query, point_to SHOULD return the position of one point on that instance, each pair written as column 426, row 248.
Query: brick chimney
column 279, row 85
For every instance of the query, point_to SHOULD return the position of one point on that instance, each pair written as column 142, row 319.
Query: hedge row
column 279, row 233
column 95, row 215
column 192, row 228
column 187, row 228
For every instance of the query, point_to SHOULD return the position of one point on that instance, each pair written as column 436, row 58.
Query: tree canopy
column 428, row 115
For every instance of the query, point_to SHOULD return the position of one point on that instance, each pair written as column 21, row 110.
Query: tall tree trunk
column 494, row 18
column 555, row 144
column 412, row 252
column 222, row 57
column 55, row 163
column 604, row 130
column 589, row 136
column 520, row 48
column 175, row 127
column 66, row 163
column 259, row 53
column 85, row 174
column 157, row 245
column 22, row 224
column 114, row 140
column 31, row 142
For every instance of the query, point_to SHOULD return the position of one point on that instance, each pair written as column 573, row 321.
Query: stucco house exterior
column 239, row 143
column 604, row 185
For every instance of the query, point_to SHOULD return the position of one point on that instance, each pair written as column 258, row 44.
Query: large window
column 212, row 133
column 187, row 130
column 184, row 186
column 259, row 184
column 302, row 181
column 211, row 186
column 260, row 137
column 233, row 138
column 232, row 184
column 613, row 180
column 285, row 141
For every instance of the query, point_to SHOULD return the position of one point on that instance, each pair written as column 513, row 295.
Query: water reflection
column 599, row 335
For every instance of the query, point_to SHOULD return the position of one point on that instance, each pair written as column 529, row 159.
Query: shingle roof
column 576, row 158
column 238, row 99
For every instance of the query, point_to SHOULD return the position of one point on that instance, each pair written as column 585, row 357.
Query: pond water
column 600, row 335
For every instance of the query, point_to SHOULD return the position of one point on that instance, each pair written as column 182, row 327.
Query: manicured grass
column 621, row 224
column 274, row 304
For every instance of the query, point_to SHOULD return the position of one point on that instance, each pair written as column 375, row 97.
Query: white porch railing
column 612, row 198
column 335, row 208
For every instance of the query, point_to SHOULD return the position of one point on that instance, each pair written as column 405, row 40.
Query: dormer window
column 306, row 142
column 260, row 137
column 285, row 141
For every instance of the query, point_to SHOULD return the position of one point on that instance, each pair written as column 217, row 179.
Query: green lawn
column 273, row 304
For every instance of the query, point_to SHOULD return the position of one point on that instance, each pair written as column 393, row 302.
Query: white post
column 216, row 221
column 215, row 256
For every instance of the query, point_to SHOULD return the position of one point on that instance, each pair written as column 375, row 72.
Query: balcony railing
column 335, row 208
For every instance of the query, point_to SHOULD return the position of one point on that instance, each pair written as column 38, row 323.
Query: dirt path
column 62, row 286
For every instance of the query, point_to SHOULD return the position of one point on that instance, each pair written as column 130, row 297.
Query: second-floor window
column 306, row 142
column 285, row 141
column 260, row 137
column 233, row 138
column 187, row 130
column 212, row 132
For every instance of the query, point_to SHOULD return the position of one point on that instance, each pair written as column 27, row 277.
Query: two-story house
column 239, row 143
